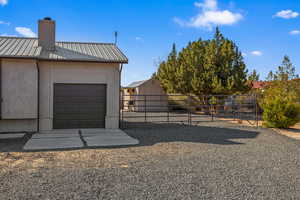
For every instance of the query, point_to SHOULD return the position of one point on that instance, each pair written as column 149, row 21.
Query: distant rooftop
column 260, row 84
column 136, row 84
column 17, row 47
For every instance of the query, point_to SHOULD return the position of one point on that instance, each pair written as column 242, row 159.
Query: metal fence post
column 145, row 108
column 121, row 110
column 211, row 111
column 190, row 110
column 168, row 115
column 256, row 111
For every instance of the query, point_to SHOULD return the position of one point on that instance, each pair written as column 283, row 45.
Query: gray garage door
column 79, row 106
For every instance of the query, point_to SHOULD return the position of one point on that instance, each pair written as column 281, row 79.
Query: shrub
column 280, row 113
column 279, row 104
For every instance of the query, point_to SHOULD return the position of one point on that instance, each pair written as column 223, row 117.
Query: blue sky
column 264, row 30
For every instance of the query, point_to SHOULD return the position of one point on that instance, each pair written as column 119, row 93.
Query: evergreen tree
column 271, row 76
column 286, row 71
column 166, row 71
column 253, row 76
column 205, row 67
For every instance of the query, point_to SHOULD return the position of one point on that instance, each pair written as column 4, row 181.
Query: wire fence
column 188, row 109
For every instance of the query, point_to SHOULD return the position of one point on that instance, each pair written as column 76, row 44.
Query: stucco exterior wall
column 150, row 94
column 19, row 89
column 153, row 103
column 19, row 95
column 78, row 72
column 18, row 125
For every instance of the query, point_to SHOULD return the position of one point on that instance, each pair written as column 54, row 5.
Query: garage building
column 46, row 85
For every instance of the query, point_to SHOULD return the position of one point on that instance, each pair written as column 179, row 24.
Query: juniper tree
column 205, row 67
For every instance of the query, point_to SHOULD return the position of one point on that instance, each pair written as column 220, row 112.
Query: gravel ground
column 212, row 161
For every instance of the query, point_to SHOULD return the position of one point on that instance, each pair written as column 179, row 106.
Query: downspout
column 120, row 93
column 1, row 89
column 38, row 96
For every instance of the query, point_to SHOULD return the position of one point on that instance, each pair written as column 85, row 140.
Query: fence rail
column 188, row 109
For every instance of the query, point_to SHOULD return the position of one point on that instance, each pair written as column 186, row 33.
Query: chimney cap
column 47, row 18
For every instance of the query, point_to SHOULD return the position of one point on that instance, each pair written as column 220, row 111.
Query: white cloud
column 138, row 38
column 295, row 32
column 244, row 54
column 207, row 5
column 3, row 2
column 7, row 35
column 210, row 16
column 257, row 53
column 5, row 23
column 26, row 32
column 286, row 14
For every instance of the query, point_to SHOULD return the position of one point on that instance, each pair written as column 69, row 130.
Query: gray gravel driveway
column 211, row 161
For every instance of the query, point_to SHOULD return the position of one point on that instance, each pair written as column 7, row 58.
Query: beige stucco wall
column 19, row 95
column 18, row 125
column 155, row 101
column 19, row 89
column 154, row 94
column 78, row 72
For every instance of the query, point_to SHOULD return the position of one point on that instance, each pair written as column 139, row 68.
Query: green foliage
column 286, row 71
column 281, row 99
column 280, row 113
column 253, row 76
column 280, row 104
column 271, row 76
column 204, row 67
column 167, row 71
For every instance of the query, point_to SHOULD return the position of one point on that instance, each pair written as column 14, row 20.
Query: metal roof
column 136, row 84
column 16, row 47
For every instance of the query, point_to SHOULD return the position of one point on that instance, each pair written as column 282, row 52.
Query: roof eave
column 63, row 60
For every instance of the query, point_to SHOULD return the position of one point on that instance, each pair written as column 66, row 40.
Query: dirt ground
column 208, row 161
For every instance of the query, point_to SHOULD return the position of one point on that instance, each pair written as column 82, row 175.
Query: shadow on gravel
column 151, row 134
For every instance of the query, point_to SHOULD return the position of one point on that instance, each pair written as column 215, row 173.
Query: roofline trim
column 60, row 60
column 35, row 38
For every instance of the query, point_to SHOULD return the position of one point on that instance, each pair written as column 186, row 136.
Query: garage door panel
column 81, row 117
column 79, row 106
column 69, row 111
column 73, row 124
column 83, row 99
column 80, row 110
column 92, row 91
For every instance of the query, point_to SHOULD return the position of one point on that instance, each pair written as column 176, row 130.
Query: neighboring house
column 260, row 84
column 145, row 94
column 49, row 85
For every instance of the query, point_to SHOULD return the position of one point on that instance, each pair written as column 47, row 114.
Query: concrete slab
column 100, row 131
column 66, row 139
column 107, row 137
column 53, row 143
column 11, row 136
column 60, row 131
column 55, row 135
column 100, row 141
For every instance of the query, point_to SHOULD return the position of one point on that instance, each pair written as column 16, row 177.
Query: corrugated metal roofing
column 13, row 47
column 136, row 84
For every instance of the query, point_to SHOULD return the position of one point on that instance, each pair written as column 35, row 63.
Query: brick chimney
column 46, row 35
